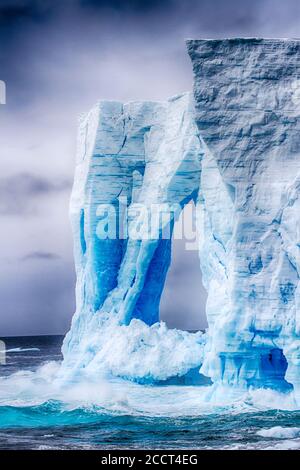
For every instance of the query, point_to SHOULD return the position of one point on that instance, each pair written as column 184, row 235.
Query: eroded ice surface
column 248, row 113
column 138, row 352
column 238, row 158
column 144, row 158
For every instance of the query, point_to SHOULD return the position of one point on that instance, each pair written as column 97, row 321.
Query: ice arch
column 238, row 157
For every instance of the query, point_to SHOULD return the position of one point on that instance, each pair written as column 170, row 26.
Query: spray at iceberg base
column 148, row 156
column 235, row 154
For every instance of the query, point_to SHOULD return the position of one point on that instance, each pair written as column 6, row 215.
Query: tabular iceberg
column 237, row 156
column 248, row 113
column 138, row 164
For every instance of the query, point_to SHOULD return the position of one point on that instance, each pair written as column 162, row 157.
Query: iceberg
column 233, row 149
column 138, row 165
column 248, row 114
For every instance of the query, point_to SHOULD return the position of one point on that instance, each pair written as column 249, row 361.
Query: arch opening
column 183, row 301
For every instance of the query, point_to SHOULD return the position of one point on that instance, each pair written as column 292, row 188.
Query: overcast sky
column 57, row 58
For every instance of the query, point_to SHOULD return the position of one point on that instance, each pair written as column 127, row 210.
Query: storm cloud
column 21, row 193
column 57, row 58
column 40, row 255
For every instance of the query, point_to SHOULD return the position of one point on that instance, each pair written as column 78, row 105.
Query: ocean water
column 37, row 411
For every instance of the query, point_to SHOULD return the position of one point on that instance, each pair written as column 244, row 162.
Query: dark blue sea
column 30, row 418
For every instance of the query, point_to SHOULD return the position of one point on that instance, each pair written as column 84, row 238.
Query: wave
column 168, row 417
column 16, row 350
column 279, row 432
column 26, row 388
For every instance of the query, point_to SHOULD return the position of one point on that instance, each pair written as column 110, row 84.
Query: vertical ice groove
column 248, row 114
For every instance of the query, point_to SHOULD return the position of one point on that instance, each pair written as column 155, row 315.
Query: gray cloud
column 36, row 298
column 58, row 58
column 18, row 192
column 184, row 298
column 40, row 255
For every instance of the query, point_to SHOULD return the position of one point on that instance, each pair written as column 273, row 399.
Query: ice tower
column 137, row 163
column 247, row 94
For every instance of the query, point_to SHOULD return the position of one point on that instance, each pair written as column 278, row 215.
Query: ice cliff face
column 238, row 157
column 138, row 164
column 248, row 113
